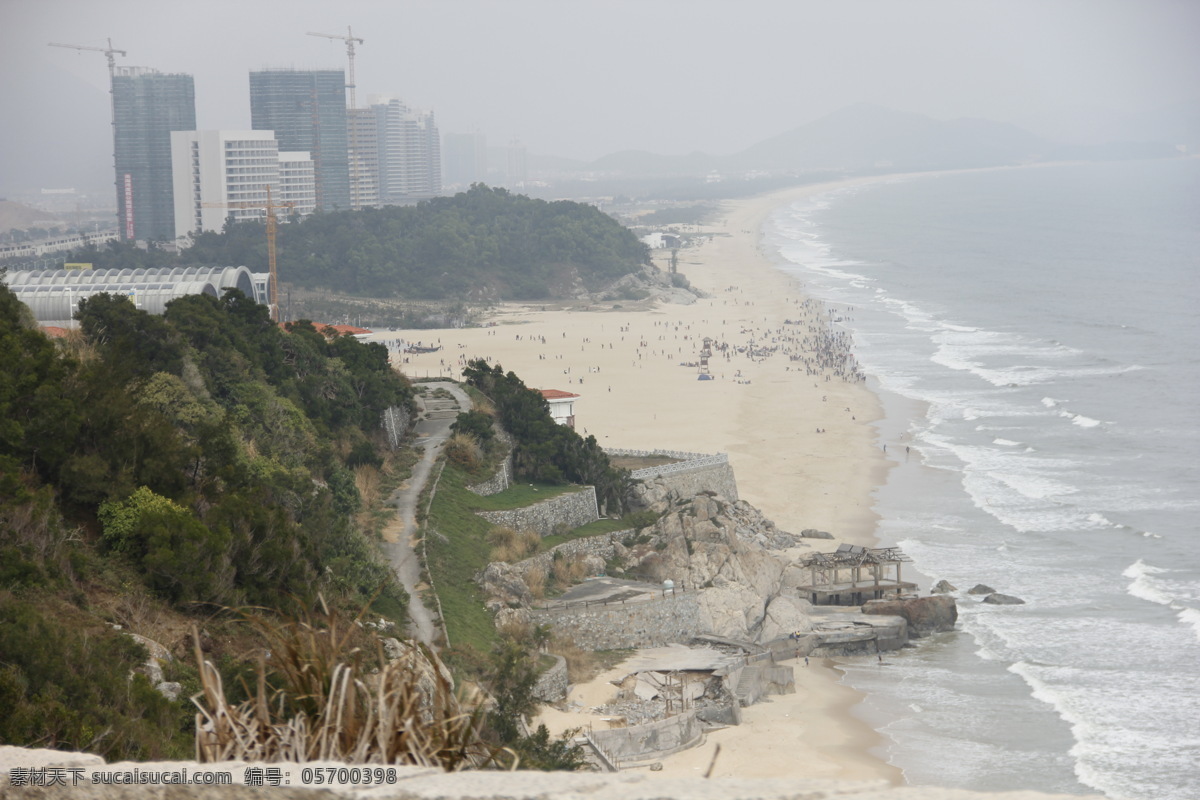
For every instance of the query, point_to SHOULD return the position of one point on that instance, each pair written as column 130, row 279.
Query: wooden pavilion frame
column 852, row 575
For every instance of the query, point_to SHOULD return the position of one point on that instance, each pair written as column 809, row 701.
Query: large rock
column 944, row 587
column 813, row 533
column 503, row 585
column 997, row 599
column 925, row 615
column 783, row 617
column 980, row 588
column 730, row 609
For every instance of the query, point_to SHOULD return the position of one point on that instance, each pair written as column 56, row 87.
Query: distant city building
column 410, row 152
column 297, row 184
column 465, row 157
column 220, row 175
column 147, row 106
column 516, row 172
column 364, row 158
column 307, row 112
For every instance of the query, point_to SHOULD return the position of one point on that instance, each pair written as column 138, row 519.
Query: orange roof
column 55, row 332
column 555, row 394
column 340, row 330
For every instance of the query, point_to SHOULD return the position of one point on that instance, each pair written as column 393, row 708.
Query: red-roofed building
column 562, row 406
column 329, row 331
column 55, row 332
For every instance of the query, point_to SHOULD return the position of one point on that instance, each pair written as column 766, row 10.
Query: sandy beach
column 802, row 445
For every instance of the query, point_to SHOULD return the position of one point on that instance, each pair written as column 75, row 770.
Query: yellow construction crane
column 110, row 53
column 269, row 206
column 356, row 161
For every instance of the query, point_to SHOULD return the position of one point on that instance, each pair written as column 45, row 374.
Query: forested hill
column 483, row 244
column 157, row 466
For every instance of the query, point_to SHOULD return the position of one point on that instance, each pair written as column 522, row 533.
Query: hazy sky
column 581, row 78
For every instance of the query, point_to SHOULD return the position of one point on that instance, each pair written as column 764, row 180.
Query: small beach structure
column 852, row 575
column 562, row 406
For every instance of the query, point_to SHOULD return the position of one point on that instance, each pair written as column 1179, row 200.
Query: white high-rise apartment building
column 364, row 157
column 410, row 152
column 221, row 174
column 297, row 185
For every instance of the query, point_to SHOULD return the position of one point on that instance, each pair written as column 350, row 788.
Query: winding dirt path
column 401, row 537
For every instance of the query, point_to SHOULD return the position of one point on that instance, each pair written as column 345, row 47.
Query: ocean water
column 1035, row 336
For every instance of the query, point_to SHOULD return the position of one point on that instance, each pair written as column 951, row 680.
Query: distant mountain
column 869, row 137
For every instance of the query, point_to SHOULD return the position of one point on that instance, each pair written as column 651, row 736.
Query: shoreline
column 804, row 449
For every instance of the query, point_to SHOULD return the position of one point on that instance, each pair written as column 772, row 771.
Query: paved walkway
column 436, row 415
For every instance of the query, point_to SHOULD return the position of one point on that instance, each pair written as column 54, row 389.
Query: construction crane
column 110, row 53
column 356, row 162
column 349, row 39
column 269, row 206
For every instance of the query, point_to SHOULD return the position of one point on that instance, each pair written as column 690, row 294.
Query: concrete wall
column 651, row 740
column 649, row 623
column 430, row 783
column 552, row 684
column 573, row 509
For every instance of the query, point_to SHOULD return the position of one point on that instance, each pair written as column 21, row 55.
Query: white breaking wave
column 1079, row 419
column 1191, row 616
column 1145, row 586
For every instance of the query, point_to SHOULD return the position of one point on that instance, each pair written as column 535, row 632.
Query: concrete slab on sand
column 677, row 657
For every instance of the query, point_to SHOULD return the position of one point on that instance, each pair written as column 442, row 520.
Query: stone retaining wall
column 497, row 483
column 602, row 545
column 646, row 623
column 692, row 474
column 552, row 684
column 572, row 510
column 395, row 421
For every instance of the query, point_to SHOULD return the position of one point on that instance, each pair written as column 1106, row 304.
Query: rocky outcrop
column 504, row 586
column 813, row 533
column 152, row 669
column 784, row 617
column 943, row 587
column 925, row 615
column 997, row 599
column 981, row 588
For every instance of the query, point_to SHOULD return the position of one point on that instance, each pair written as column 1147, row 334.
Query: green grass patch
column 523, row 494
column 457, row 548
column 596, row 528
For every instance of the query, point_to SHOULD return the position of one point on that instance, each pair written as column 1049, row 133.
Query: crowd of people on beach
column 809, row 341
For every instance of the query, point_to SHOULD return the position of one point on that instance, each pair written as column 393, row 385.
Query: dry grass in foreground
column 323, row 698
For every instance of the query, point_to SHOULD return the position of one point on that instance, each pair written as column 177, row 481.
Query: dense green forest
column 160, row 467
column 544, row 450
column 481, row 245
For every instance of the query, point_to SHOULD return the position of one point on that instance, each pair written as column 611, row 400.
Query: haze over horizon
column 585, row 79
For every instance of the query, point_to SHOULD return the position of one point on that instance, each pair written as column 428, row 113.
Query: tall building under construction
column 147, row 106
column 307, row 111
